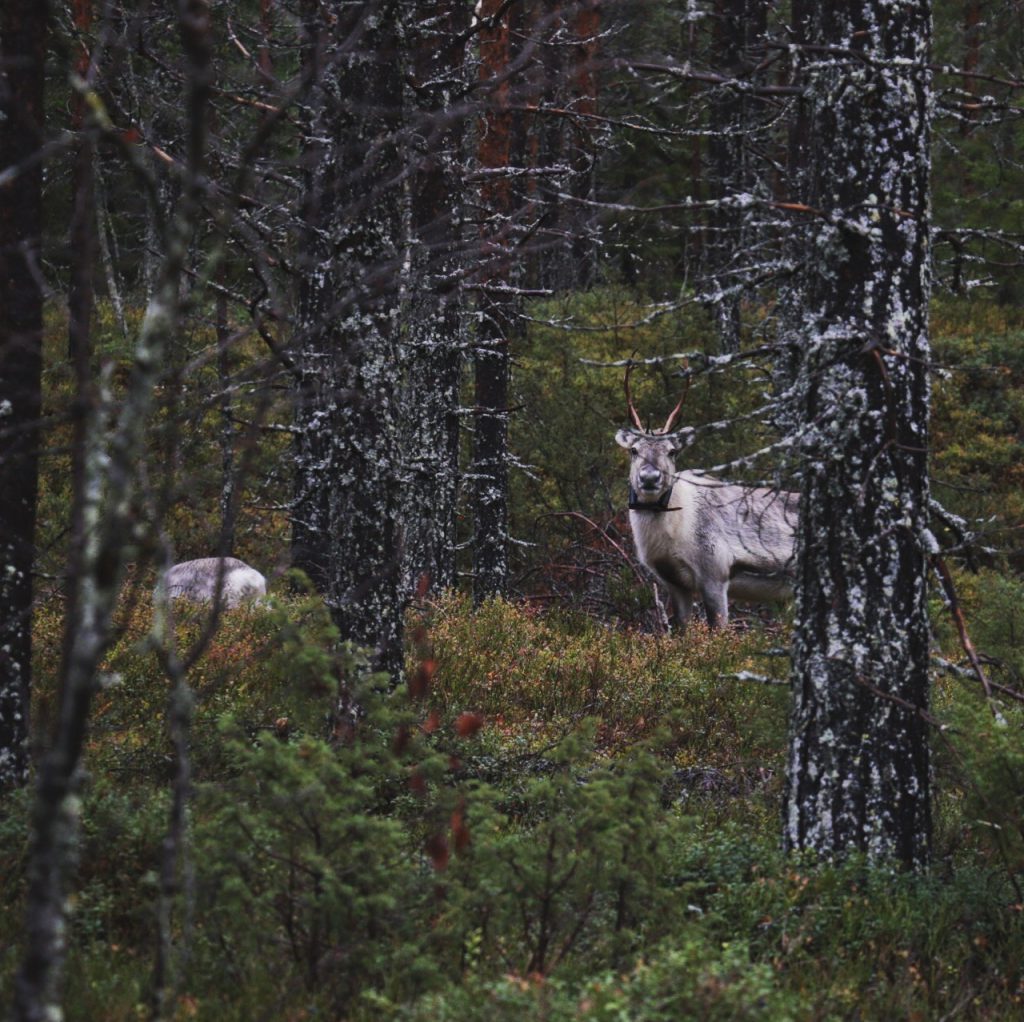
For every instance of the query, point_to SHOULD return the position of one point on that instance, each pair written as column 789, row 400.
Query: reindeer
column 197, row 581
column 701, row 536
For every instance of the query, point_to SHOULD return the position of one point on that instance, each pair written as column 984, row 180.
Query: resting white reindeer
column 700, row 536
column 197, row 581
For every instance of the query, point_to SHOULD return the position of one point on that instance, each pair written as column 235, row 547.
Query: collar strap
column 661, row 504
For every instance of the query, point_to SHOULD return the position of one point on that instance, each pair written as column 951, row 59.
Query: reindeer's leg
column 716, row 603
column 682, row 601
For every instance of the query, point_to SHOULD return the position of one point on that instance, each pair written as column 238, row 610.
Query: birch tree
column 22, row 52
column 858, row 777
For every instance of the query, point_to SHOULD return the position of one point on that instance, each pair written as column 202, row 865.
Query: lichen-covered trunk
column 347, row 529
column 435, row 339
column 858, row 778
column 22, row 42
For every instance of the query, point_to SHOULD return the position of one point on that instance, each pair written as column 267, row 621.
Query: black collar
column 661, row 504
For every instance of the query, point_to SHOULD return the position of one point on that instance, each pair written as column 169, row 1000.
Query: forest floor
column 557, row 819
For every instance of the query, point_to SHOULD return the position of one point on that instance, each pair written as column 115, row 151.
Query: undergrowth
column 571, row 821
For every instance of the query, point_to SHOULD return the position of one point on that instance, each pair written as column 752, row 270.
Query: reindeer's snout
column 649, row 476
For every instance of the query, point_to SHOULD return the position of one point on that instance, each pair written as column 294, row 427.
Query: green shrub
column 688, row 978
column 305, row 864
column 526, row 863
column 563, row 866
column 270, row 666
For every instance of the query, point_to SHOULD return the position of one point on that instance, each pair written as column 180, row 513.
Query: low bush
column 570, row 821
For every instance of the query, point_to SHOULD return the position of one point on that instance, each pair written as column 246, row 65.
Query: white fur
column 196, row 581
column 716, row 540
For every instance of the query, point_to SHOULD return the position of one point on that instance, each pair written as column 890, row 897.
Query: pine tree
column 858, row 758
column 347, row 533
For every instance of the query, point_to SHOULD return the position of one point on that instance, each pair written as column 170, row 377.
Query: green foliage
column 604, row 847
column 121, row 833
column 854, row 938
column 687, row 978
column 986, row 755
column 980, row 758
column 581, row 845
column 15, row 808
column 550, row 670
column 271, row 666
column 301, row 864
column 978, row 417
column 993, row 605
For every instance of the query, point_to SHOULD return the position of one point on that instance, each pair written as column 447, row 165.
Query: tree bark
column 972, row 29
column 82, row 252
column 107, row 496
column 226, row 434
column 22, row 55
column 435, row 348
column 556, row 103
column 496, row 313
column 347, row 530
column 737, row 38
column 585, row 94
column 858, row 778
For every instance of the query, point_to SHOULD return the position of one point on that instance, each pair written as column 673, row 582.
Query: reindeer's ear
column 625, row 438
column 680, row 440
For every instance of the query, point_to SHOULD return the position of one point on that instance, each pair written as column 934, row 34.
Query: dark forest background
column 349, row 291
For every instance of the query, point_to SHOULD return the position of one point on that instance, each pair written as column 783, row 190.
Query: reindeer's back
column 197, row 580
column 759, row 524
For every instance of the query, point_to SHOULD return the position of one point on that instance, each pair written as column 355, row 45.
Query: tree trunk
column 226, row 434
column 82, row 251
column 972, row 29
column 584, row 93
column 561, row 142
column 22, row 55
column 858, row 777
column 436, row 333
column 496, row 313
column 737, row 38
column 108, row 489
column 347, row 512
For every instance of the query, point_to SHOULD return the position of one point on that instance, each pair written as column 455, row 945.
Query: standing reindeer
column 701, row 536
column 196, row 581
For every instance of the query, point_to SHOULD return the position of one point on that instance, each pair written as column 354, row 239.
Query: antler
column 629, row 399
column 675, row 411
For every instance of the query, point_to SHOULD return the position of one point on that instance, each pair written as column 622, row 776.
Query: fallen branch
column 760, row 679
